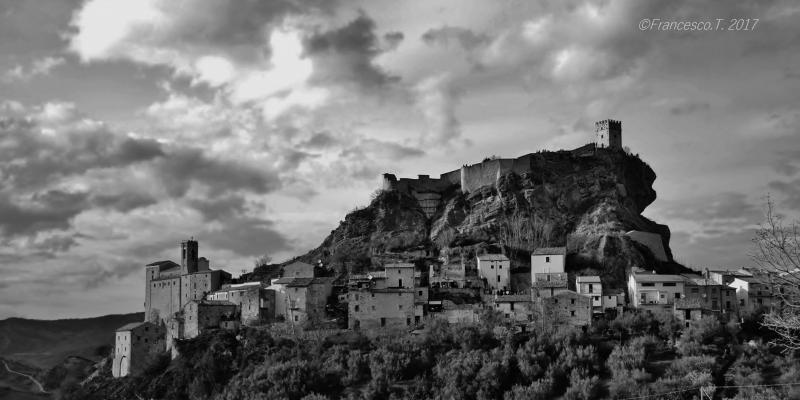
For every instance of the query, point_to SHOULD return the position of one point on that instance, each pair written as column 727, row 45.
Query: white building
column 133, row 343
column 496, row 270
column 547, row 260
column 654, row 291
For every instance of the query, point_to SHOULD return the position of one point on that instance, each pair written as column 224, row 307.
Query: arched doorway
column 124, row 366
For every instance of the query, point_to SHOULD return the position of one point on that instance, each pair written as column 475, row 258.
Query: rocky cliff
column 586, row 203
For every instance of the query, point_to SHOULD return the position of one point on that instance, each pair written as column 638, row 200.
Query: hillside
column 586, row 203
column 44, row 344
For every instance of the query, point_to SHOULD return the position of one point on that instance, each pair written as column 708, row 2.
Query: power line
column 715, row 387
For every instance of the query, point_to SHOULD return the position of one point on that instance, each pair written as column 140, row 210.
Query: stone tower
column 189, row 256
column 608, row 134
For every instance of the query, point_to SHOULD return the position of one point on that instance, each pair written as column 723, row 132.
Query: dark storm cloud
column 447, row 35
column 53, row 209
column 393, row 39
column 30, row 157
column 787, row 162
column 346, row 54
column 790, row 191
column 247, row 237
column 183, row 166
column 220, row 209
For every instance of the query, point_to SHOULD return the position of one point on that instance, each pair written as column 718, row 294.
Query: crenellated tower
column 608, row 134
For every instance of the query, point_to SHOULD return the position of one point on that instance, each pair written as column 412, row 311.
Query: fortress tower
column 608, row 134
column 188, row 256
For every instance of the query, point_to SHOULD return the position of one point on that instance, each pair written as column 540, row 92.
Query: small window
column 547, row 259
column 420, row 292
column 572, row 313
column 669, row 283
column 512, row 306
column 571, row 301
column 356, row 308
column 296, row 318
column 500, row 266
column 399, row 306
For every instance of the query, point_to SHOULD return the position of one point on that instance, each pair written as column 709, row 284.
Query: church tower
column 608, row 134
column 188, row 256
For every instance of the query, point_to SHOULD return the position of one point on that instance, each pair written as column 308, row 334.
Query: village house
column 134, row 342
column 452, row 275
column 516, row 308
column 200, row 315
column 613, row 301
column 566, row 308
column 386, row 299
column 753, row 293
column 706, row 298
column 297, row 269
column 655, row 292
column 495, row 271
column 591, row 287
column 298, row 300
column 548, row 260
column 254, row 302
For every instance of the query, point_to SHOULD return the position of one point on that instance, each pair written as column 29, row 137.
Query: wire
column 714, row 387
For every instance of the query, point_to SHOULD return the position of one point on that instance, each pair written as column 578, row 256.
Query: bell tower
column 608, row 134
column 189, row 256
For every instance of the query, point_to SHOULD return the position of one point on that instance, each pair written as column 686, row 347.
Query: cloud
column 447, row 35
column 790, row 191
column 437, row 99
column 787, row 162
column 346, row 54
column 49, row 210
column 393, row 40
column 39, row 67
column 682, row 106
column 247, row 237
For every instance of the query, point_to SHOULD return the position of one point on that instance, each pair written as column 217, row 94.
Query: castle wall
column 163, row 299
column 199, row 316
column 132, row 347
column 196, row 286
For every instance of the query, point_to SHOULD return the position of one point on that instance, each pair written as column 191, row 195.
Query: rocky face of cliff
column 584, row 203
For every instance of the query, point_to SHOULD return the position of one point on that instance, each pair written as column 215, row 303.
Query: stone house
column 297, row 269
column 711, row 297
column 753, row 293
column 613, row 299
column 298, row 300
column 201, row 315
column 566, row 308
column 134, row 342
column 516, row 308
column 591, row 287
column 549, row 284
column 495, row 270
column 386, row 299
column 255, row 303
column 453, row 275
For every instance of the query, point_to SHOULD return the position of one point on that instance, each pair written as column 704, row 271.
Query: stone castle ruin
column 469, row 178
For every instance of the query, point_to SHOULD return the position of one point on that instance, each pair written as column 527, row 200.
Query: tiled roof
column 300, row 282
column 492, row 257
column 131, row 326
column 163, row 265
column 589, row 279
column 549, row 251
column 658, row 278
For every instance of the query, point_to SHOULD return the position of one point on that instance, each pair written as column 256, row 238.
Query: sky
column 255, row 126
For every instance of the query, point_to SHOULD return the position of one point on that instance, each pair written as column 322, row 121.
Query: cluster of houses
column 183, row 300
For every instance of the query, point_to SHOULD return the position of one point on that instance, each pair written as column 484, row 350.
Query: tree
column 777, row 253
column 261, row 260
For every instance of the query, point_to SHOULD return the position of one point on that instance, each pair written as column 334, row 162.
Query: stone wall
column 201, row 315
column 375, row 309
column 162, row 299
column 567, row 308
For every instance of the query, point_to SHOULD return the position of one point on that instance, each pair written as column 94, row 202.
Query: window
column 383, row 321
column 547, row 259
column 669, row 284
column 760, row 301
column 498, row 278
column 512, row 306
column 296, row 318
column 728, row 305
column 741, row 302
column 408, row 321
column 491, row 266
column 646, row 284
column 572, row 313
column 500, row 266
column 571, row 301
column 555, row 301
column 399, row 283
column 713, row 304
column 420, row 292
column 356, row 308
column 373, row 308
column 677, row 295
column 695, row 290
column 591, row 288
column 399, row 306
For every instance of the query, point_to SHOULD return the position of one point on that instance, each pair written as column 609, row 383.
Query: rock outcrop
column 584, row 202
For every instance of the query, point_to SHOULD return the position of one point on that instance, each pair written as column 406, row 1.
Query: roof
column 589, row 279
column 213, row 302
column 163, row 265
column 549, row 251
column 300, row 282
column 512, row 298
column 658, row 278
column 131, row 326
column 492, row 257
column 613, row 292
column 399, row 265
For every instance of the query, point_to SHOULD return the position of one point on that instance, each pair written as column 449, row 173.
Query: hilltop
column 586, row 200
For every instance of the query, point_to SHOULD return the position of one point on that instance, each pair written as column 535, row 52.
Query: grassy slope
column 44, row 344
